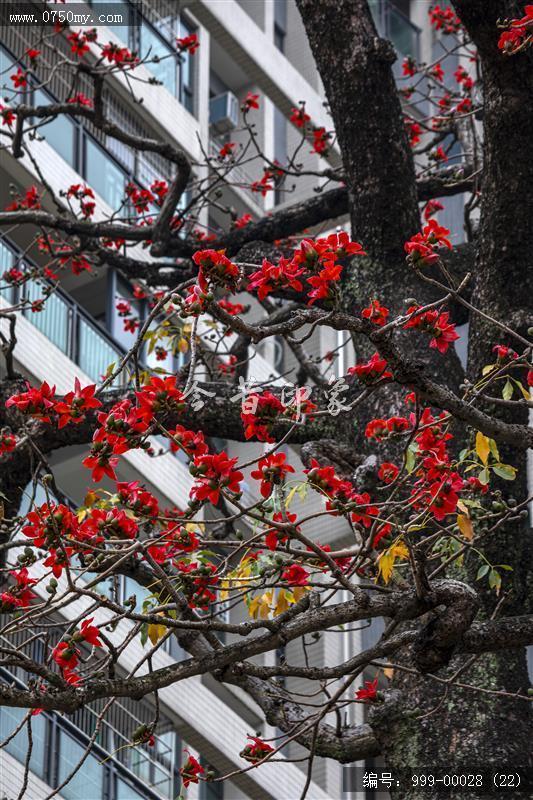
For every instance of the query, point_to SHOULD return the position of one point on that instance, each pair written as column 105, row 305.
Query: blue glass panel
column 105, row 177
column 7, row 69
column 95, row 354
column 132, row 587
column 88, row 782
column 18, row 747
column 126, row 792
column 53, row 320
column 6, row 258
column 152, row 45
column 121, row 31
column 59, row 132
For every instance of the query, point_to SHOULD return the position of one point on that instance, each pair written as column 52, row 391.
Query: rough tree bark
column 355, row 66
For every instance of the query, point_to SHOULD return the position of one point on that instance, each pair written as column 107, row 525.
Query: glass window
column 18, row 747
column 88, row 782
column 95, row 354
column 152, row 45
column 105, row 586
column 124, row 337
column 29, row 498
column 280, row 23
column 105, row 177
column 53, row 320
column 126, row 792
column 186, row 71
column 6, row 262
column 60, row 133
column 132, row 587
column 210, row 791
column 123, row 7
column 6, row 69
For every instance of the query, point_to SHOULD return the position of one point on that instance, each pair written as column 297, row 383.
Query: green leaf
column 494, row 449
column 482, row 571
column 484, row 476
column 303, row 488
column 505, row 471
column 495, row 580
column 410, row 460
column 290, row 496
column 526, row 395
column 507, row 392
column 144, row 633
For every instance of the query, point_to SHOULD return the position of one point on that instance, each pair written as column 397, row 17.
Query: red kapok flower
column 256, row 751
column 89, row 633
column 36, row 402
column 376, row 313
column 274, row 277
column 72, row 407
column 299, row 117
column 372, row 370
column 388, row 472
column 250, row 101
column 66, row 656
column 189, row 44
column 296, row 575
column 369, row 692
column 213, row 473
column 190, row 770
column 271, row 472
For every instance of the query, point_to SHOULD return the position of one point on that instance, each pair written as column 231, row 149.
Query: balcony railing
column 396, row 27
column 114, row 769
column 237, row 175
column 66, row 324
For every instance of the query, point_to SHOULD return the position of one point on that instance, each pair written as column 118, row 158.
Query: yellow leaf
column 290, row 496
column 388, row 557
column 156, row 632
column 285, row 599
column 82, row 513
column 465, row 526
column 183, row 345
column 526, row 394
column 90, row 499
column 299, row 591
column 261, row 605
column 389, row 673
column 482, row 447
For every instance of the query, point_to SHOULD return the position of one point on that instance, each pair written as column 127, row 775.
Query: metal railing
column 152, row 770
column 237, row 176
column 66, row 324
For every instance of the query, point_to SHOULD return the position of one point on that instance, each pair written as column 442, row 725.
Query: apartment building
column 246, row 46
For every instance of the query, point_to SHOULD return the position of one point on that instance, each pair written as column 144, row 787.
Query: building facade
column 256, row 46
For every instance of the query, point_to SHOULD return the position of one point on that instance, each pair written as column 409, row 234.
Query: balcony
column 66, row 325
column 114, row 770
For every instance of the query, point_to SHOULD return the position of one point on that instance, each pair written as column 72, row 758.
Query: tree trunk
column 427, row 724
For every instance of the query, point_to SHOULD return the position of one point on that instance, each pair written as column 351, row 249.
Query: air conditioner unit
column 224, row 112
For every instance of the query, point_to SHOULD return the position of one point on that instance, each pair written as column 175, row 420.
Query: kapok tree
column 414, row 453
